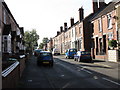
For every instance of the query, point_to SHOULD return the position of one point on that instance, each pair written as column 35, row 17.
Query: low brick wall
column 10, row 76
column 22, row 65
column 101, row 57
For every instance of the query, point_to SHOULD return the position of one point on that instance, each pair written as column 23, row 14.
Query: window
column 72, row 32
column 4, row 17
column 100, row 25
column 69, row 34
column 109, row 19
column 80, row 30
column 110, row 36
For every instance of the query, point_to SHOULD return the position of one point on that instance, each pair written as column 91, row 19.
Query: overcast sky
column 46, row 16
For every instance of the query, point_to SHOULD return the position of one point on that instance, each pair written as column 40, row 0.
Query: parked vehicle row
column 78, row 55
column 83, row 56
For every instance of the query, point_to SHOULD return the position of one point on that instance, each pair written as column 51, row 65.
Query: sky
column 46, row 16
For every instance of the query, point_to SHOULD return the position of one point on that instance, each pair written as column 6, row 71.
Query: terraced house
column 11, row 48
column 104, row 30
column 93, row 32
column 117, row 6
column 1, row 43
column 79, row 34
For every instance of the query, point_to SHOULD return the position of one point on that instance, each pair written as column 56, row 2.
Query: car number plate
column 46, row 62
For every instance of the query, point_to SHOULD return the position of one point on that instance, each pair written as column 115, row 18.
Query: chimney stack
column 58, row 33
column 65, row 26
column 72, row 21
column 102, row 4
column 81, row 14
column 95, row 5
column 61, row 29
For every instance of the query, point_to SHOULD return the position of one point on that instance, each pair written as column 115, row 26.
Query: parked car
column 45, row 57
column 70, row 53
column 56, row 51
column 83, row 56
column 37, row 51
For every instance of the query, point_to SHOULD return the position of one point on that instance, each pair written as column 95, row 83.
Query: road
column 67, row 73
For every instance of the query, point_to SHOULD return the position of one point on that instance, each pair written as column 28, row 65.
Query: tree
column 41, row 45
column 44, row 43
column 31, row 38
column 45, row 40
column 112, row 43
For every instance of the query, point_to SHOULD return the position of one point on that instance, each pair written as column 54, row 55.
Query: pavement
column 108, row 68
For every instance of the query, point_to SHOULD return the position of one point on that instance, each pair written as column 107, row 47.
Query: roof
column 107, row 9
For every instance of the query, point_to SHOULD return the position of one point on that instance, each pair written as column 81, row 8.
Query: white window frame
column 100, row 24
column 109, row 21
column 4, row 16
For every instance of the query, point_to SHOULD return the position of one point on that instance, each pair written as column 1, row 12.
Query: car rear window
column 73, row 50
column 45, row 54
column 84, row 52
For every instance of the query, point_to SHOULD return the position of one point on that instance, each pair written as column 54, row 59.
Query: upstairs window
column 4, row 17
column 109, row 21
column 100, row 25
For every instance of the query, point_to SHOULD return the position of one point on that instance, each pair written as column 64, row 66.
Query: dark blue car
column 70, row 53
column 83, row 56
column 37, row 51
column 45, row 57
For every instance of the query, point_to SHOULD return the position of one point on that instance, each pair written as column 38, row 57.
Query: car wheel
column 74, row 59
column 68, row 57
column 65, row 56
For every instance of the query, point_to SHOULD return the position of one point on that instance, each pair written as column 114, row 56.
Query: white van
column 56, row 51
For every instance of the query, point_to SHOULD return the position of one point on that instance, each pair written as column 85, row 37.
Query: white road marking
column 83, row 68
column 62, row 75
column 111, row 81
column 87, row 71
column 95, row 77
column 30, row 80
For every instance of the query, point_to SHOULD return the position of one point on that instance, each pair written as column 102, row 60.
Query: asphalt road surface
column 63, row 75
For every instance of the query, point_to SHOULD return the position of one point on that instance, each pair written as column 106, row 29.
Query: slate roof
column 110, row 7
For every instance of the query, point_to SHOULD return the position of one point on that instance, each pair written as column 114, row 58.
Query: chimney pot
column 65, row 26
column 58, row 32
column 81, row 14
column 102, row 4
column 95, row 5
column 72, row 21
column 61, row 29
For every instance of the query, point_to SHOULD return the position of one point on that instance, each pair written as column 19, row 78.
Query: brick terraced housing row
column 93, row 32
column 11, row 47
